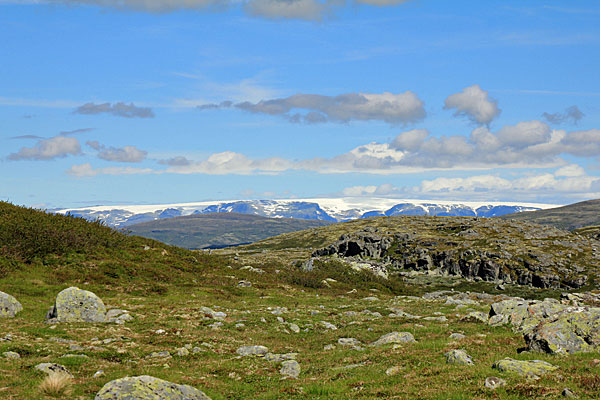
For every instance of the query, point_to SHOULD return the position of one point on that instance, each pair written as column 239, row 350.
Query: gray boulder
column 52, row 368
column 9, row 306
column 458, row 357
column 252, row 351
column 77, row 305
column 290, row 369
column 573, row 331
column 525, row 368
column 394, row 337
column 148, row 388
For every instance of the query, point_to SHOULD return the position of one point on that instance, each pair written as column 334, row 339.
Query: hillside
column 217, row 230
column 570, row 217
column 196, row 319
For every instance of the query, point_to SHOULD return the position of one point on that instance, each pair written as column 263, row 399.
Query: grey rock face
column 9, row 306
column 77, row 305
column 148, row 388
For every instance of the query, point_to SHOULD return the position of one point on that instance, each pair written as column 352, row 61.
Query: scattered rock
column 51, row 368
column 182, row 352
column 349, row 342
column 493, row 382
column 328, row 325
column 294, row 328
column 290, row 369
column 252, row 351
column 77, row 305
column 210, row 313
column 475, row 316
column 393, row 370
column 459, row 357
column 148, row 388
column 530, row 369
column 272, row 357
column 159, row 354
column 9, row 306
column 118, row 316
column 568, row 393
column 98, row 373
column 457, row 336
column 394, row 337
column 244, row 283
column 11, row 355
column 252, row 269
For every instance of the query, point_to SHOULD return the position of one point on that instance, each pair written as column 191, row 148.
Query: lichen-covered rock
column 394, row 337
column 51, row 368
column 475, row 316
column 77, row 305
column 574, row 331
column 148, row 388
column 290, row 369
column 459, row 357
column 11, row 355
column 525, row 368
column 252, row 350
column 9, row 306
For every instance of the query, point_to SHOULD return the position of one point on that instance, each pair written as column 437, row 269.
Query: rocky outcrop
column 9, row 306
column 77, row 305
column 363, row 244
column 148, row 388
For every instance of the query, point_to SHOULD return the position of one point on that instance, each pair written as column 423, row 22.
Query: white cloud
column 371, row 190
column 86, row 170
column 48, row 149
column 524, row 134
column 129, row 154
column 288, row 9
column 232, row 163
column 474, row 103
column 410, row 140
column 119, row 109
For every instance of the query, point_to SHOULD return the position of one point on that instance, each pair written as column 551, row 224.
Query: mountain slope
column 215, row 230
column 570, row 217
column 325, row 209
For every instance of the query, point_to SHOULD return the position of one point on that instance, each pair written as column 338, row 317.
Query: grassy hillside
column 166, row 290
column 571, row 217
column 219, row 229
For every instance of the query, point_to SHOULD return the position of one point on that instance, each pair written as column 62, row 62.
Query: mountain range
column 324, row 209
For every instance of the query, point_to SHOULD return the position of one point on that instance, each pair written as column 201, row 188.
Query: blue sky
column 155, row 101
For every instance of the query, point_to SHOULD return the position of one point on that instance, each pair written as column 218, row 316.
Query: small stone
column 493, row 382
column 294, row 328
column 290, row 369
column 11, row 355
column 393, row 370
column 370, row 298
column 51, row 368
column 159, row 354
column 244, row 283
column 568, row 393
column 182, row 352
column 348, row 342
column 252, row 351
column 98, row 373
column 328, row 325
column 160, row 331
column 394, row 337
column 328, row 347
column 457, row 336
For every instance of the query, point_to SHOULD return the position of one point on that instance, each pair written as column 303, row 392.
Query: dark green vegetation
column 217, row 230
column 166, row 287
column 571, row 217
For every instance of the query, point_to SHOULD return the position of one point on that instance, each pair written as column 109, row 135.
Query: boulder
column 51, row 368
column 252, row 350
column 9, row 306
column 290, row 369
column 148, row 388
column 394, row 337
column 77, row 305
column 475, row 316
column 459, row 357
column 525, row 368
column 573, row 331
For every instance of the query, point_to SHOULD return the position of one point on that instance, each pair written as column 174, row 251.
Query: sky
column 172, row 101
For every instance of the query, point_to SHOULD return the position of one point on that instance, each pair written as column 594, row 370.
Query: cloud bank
column 401, row 108
column 130, row 154
column 48, row 149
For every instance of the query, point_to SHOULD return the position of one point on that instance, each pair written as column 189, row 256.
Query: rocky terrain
column 99, row 315
column 570, row 217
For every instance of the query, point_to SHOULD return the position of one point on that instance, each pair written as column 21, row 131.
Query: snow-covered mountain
column 327, row 209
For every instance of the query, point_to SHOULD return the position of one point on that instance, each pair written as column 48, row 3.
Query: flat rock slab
column 148, row 388
column 573, row 331
column 525, row 368
column 9, row 306
column 77, row 305
column 394, row 337
column 252, row 350
column 51, row 368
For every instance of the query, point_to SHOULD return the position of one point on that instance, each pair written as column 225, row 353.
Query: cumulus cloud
column 401, row 108
column 129, row 154
column 410, row 140
column 474, row 103
column 119, row 109
column 571, row 115
column 583, row 143
column 48, row 149
column 86, row 170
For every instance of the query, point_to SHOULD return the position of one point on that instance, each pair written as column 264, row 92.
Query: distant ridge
column 570, row 217
column 217, row 230
column 324, row 209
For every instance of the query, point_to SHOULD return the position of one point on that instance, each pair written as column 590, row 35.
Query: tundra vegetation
column 263, row 321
